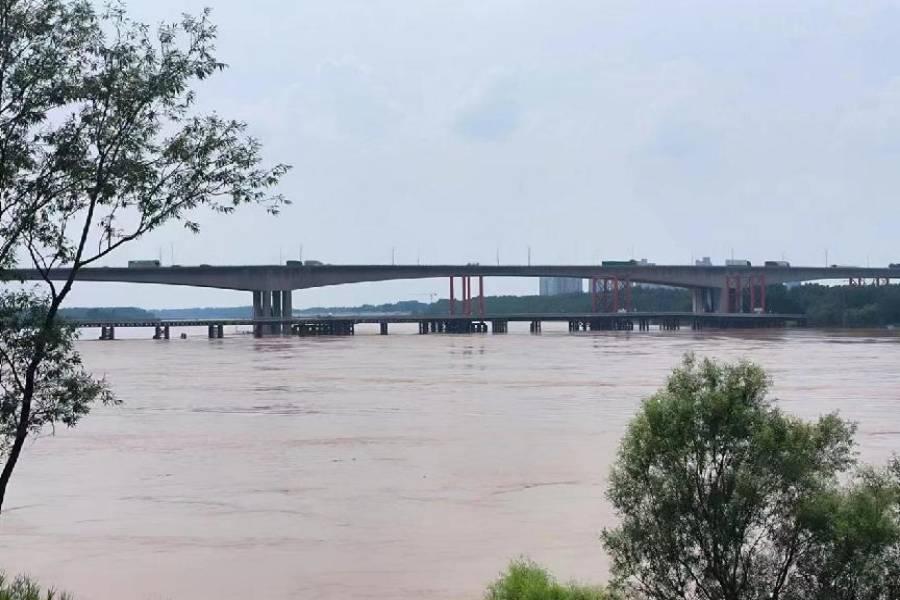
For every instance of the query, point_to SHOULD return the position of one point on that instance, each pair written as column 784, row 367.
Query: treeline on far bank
column 652, row 299
column 838, row 306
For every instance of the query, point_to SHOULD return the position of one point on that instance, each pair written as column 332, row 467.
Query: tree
column 715, row 488
column 99, row 144
column 855, row 552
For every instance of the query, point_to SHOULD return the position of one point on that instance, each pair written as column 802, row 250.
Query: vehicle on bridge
column 618, row 263
column 300, row 263
column 734, row 262
column 777, row 263
column 894, row 266
column 143, row 264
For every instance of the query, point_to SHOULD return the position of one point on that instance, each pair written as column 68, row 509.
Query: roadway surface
column 294, row 277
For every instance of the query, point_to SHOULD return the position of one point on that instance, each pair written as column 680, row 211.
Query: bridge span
column 715, row 289
column 346, row 324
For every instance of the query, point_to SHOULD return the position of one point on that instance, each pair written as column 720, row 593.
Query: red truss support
column 734, row 289
column 466, row 285
column 757, row 284
column 752, row 288
column 610, row 294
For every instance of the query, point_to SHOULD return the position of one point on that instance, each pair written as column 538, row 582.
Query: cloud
column 492, row 114
column 358, row 106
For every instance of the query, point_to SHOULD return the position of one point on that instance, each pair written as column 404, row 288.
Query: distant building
column 557, row 286
column 703, row 262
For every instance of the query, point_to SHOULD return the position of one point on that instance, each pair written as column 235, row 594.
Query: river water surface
column 393, row 467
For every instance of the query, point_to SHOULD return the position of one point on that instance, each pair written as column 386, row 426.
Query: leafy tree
column 715, row 487
column 525, row 580
column 855, row 554
column 99, row 144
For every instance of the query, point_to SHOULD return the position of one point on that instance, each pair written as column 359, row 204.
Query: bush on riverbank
column 721, row 494
column 25, row 588
column 525, row 580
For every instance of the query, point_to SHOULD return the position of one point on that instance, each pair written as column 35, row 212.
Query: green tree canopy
column 714, row 487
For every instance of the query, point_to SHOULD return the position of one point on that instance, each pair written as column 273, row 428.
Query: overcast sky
column 586, row 130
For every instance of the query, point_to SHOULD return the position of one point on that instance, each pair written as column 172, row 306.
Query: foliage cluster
column 525, row 580
column 723, row 496
column 25, row 588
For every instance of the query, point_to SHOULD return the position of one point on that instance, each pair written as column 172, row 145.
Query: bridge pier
column 534, row 327
column 108, row 332
column 257, row 313
column 383, row 326
column 287, row 311
column 266, row 311
column 275, row 307
column 275, row 328
column 703, row 300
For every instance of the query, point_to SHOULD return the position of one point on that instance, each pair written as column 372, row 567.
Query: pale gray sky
column 582, row 128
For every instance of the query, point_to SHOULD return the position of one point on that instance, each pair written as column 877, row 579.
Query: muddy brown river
column 398, row 467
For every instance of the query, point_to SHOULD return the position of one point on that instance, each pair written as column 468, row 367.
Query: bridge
column 346, row 324
column 732, row 289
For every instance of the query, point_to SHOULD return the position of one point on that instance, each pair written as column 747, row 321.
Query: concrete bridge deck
column 296, row 277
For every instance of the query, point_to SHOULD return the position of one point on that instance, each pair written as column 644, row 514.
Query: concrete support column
column 384, row 328
column 257, row 312
column 722, row 304
column 704, row 300
column 276, row 312
column 266, row 311
column 220, row 331
column 166, row 332
column 698, row 305
column 287, row 311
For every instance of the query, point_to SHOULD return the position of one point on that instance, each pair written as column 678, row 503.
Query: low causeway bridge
column 346, row 324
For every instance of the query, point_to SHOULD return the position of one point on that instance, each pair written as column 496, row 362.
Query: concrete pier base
column 287, row 311
column 273, row 309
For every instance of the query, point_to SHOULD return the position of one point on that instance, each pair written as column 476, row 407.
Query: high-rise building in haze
column 557, row 286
